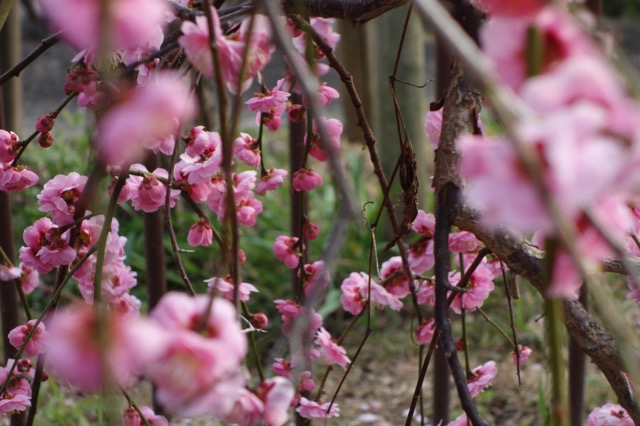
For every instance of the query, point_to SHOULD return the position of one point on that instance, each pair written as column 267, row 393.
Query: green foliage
column 621, row 8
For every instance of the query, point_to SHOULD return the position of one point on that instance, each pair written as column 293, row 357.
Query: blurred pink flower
column 60, row 195
column 130, row 417
column 334, row 129
column 224, row 288
column 433, row 126
column 9, row 273
column 424, row 224
column 291, row 312
column 276, row 393
column 313, row 410
column 609, row 415
column 148, row 116
column 315, row 278
column 29, row 278
column 131, row 21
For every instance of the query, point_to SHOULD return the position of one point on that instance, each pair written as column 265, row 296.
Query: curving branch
column 354, row 11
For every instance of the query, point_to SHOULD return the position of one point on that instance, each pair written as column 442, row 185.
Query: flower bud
column 45, row 123
column 24, row 365
column 259, row 321
column 45, row 140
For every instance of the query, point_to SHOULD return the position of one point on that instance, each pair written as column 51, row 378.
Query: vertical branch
column 296, row 156
column 577, row 370
column 10, row 118
column 153, row 247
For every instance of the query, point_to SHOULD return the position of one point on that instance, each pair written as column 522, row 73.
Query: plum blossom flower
column 196, row 367
column 313, row 410
column 200, row 233
column 334, row 128
column 609, row 415
column 16, row 178
column 463, row 242
column 131, row 23
column 149, row 116
column 424, row 224
column 306, row 179
column 143, row 50
column 330, row 351
column 291, row 311
column 272, row 180
column 355, row 294
column 276, row 393
column 17, row 396
column 29, row 278
column 524, row 352
column 60, row 195
column 147, row 192
column 9, row 146
column 75, row 354
column 246, row 149
column 394, row 277
column 315, row 277
column 287, row 250
column 47, row 248
column 195, row 41
column 481, row 377
column 37, row 342
column 130, row 417
column 433, row 126
column 424, row 333
column 224, row 287
column 421, row 257
column 479, row 287
column 8, row 272
column 272, row 99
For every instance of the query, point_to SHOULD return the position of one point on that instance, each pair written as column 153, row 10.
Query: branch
column 354, row 11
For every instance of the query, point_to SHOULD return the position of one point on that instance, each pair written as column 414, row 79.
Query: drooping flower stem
column 555, row 341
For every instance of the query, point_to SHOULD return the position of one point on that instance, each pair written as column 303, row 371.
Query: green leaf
column 5, row 8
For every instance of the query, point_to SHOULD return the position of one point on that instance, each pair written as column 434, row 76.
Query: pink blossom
column 306, row 179
column 148, row 193
column 524, row 353
column 287, row 250
column 481, row 377
column 46, row 247
column 16, row 178
column 130, row 417
column 315, row 278
column 60, row 195
column 272, row 180
column 200, row 234
column 310, row 229
column 317, row 410
column 463, row 242
column 9, row 273
column 461, row 420
column 224, row 288
column 143, row 50
column 324, row 27
column 330, row 350
column 17, row 396
column 433, row 126
column 246, row 149
column 424, row 333
column 504, row 39
column 272, row 119
column 426, row 293
column 420, row 256
column 334, row 128
column 195, row 41
column 203, row 156
column 9, row 146
column 355, row 294
column 479, row 287
column 277, row 394
column 75, row 355
column 292, row 312
column 196, row 367
column 37, row 342
column 247, row 410
column 424, row 223
column 609, row 415
column 148, row 116
column 395, row 280
column 29, row 278
column 131, row 22
column 272, row 99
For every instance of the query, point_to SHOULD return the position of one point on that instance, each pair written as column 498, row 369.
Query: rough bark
column 354, row 11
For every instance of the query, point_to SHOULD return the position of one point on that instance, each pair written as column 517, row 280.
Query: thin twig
column 45, row 44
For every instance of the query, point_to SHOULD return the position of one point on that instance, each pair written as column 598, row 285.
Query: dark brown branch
column 597, row 342
column 17, row 69
column 354, row 11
